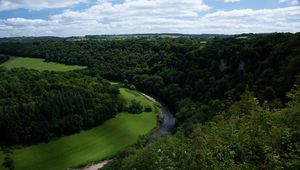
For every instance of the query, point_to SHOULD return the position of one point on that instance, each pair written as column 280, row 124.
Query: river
column 168, row 124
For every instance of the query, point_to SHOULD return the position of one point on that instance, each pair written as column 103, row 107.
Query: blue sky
column 84, row 17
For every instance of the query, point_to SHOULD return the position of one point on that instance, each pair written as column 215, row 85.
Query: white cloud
column 292, row 2
column 229, row 1
column 155, row 16
column 37, row 4
column 140, row 8
column 19, row 22
column 264, row 20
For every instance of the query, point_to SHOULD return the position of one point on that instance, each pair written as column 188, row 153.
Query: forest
column 39, row 106
column 3, row 58
column 247, row 135
column 236, row 100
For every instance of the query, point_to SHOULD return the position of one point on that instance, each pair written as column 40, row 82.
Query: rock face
column 222, row 65
column 241, row 66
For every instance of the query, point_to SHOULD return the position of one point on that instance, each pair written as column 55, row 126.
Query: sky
column 104, row 17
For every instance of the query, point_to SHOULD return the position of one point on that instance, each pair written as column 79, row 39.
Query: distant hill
column 28, row 39
column 114, row 37
column 129, row 36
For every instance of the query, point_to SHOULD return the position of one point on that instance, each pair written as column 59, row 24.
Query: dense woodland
column 3, row 58
column 244, row 136
column 229, row 95
column 37, row 106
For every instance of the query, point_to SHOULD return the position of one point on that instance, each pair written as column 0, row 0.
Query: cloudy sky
column 86, row 17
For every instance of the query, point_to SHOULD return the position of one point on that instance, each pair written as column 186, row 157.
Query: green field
column 38, row 64
column 96, row 144
column 92, row 145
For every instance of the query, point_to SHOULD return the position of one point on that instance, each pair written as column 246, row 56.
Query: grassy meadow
column 38, row 64
column 92, row 145
column 95, row 144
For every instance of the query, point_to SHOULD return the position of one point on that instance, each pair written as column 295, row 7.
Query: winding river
column 168, row 124
column 165, row 129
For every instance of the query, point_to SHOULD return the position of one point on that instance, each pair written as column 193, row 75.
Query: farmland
column 38, row 64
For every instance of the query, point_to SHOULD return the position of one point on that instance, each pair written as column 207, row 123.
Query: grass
column 96, row 144
column 131, row 95
column 38, row 64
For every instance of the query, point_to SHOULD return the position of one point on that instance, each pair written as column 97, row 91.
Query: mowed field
column 96, row 144
column 38, row 64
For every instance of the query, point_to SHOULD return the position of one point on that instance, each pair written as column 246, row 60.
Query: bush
column 135, row 107
column 132, row 87
column 3, row 58
column 148, row 109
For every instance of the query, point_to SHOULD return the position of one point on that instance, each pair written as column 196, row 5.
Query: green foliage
column 247, row 105
column 135, row 107
column 3, row 58
column 174, row 69
column 172, row 153
column 126, row 84
column 294, row 95
column 148, row 109
column 246, row 136
column 37, row 106
column 195, row 112
column 224, row 126
column 8, row 162
column 101, row 142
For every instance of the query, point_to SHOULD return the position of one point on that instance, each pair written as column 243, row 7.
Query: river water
column 168, row 124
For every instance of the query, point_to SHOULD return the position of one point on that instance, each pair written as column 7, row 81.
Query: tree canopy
column 37, row 106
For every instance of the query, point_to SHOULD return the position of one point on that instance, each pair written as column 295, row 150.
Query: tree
column 148, row 109
column 37, row 106
column 8, row 161
column 135, row 107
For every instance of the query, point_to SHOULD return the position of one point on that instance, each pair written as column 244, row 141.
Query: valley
column 87, row 146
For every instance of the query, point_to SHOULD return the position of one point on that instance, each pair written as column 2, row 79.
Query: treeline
column 3, row 58
column 38, row 106
column 175, row 69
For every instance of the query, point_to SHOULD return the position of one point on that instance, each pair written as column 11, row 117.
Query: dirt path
column 150, row 98
column 95, row 166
